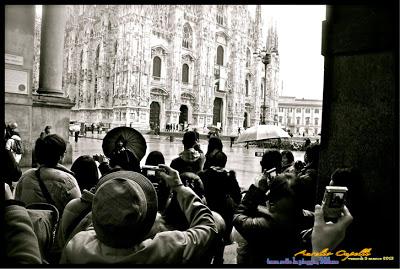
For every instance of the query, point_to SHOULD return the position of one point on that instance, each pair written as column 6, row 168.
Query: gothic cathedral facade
column 146, row 66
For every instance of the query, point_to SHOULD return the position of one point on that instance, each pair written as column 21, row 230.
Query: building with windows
column 300, row 116
column 145, row 66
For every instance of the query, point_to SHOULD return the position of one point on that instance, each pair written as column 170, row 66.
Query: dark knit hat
column 124, row 209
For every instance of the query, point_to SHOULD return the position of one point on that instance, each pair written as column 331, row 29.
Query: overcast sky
column 302, row 65
column 299, row 29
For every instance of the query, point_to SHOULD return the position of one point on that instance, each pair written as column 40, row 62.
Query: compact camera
column 151, row 170
column 333, row 202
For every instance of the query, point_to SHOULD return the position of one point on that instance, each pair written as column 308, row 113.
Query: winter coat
column 221, row 189
column 169, row 247
column 309, row 176
column 189, row 160
column 21, row 243
column 265, row 237
column 77, row 217
column 59, row 181
column 210, row 158
column 222, row 194
column 10, row 144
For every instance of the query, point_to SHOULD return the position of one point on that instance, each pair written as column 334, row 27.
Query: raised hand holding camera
column 171, row 176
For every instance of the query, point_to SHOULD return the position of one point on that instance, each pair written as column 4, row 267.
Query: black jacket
column 265, row 237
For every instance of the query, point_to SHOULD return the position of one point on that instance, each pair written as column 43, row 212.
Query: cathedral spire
column 259, row 27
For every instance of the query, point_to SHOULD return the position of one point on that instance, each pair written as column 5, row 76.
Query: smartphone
column 333, row 202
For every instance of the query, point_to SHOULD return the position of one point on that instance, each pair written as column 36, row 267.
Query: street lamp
column 265, row 57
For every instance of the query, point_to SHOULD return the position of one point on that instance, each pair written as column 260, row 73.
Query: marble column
column 52, row 49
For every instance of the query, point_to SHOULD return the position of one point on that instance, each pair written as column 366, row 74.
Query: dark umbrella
column 133, row 140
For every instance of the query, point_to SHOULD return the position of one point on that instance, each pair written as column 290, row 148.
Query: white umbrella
column 262, row 132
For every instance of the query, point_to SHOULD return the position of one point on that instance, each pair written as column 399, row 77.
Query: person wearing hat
column 121, row 158
column 191, row 159
column 270, row 219
column 124, row 210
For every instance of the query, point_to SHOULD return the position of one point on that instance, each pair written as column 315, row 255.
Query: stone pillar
column 360, row 116
column 50, row 106
column 52, row 49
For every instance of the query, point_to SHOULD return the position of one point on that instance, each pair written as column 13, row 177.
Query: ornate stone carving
column 158, row 51
column 160, row 92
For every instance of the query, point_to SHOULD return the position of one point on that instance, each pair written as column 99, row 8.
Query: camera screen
column 151, row 172
column 337, row 200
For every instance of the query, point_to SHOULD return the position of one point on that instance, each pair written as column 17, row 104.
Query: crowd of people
column 110, row 210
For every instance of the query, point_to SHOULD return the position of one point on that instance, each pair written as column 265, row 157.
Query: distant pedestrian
column 14, row 143
column 239, row 130
column 92, row 128
column 47, row 131
column 76, row 136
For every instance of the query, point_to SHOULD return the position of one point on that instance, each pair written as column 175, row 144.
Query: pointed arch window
column 220, row 55
column 157, row 67
column 185, row 73
column 247, row 87
column 187, row 36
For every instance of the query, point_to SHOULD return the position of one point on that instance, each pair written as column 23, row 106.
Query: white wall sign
column 16, row 81
column 13, row 59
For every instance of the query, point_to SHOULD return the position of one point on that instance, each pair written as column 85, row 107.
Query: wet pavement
column 240, row 159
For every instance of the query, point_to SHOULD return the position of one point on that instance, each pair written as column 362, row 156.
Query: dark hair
column 155, row 158
column 289, row 155
column 271, row 159
column 214, row 143
column 189, row 139
column 47, row 128
column 126, row 159
column 193, row 181
column 218, row 159
column 287, row 185
column 344, row 177
column 86, row 172
column 312, row 155
column 50, row 149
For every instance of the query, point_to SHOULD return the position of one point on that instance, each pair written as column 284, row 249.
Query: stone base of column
column 54, row 111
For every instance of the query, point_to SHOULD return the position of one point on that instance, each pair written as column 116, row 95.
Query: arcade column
column 49, row 106
column 359, row 120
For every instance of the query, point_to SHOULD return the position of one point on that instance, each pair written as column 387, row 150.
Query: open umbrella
column 262, row 132
column 134, row 141
column 213, row 128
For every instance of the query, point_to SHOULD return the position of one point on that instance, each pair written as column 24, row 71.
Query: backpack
column 17, row 148
column 45, row 218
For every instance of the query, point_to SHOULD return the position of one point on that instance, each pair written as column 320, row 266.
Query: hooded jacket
column 189, row 160
column 59, row 181
column 168, row 247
